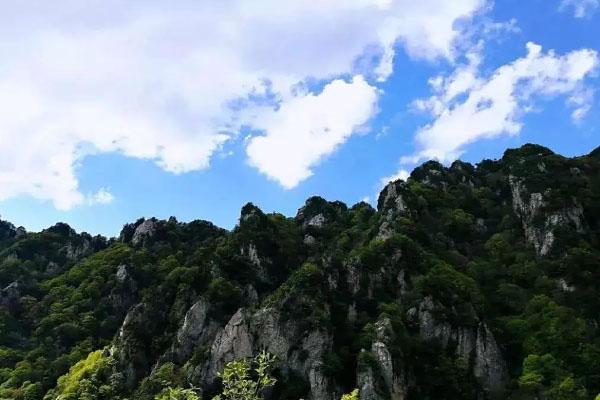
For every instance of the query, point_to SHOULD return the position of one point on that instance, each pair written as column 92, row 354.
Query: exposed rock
column 233, row 342
column 122, row 275
column 10, row 297
column 251, row 295
column 251, row 252
column 319, row 386
column 317, row 221
column 366, row 383
column 52, row 268
column 476, row 346
column 309, row 240
column 247, row 333
column 143, row 231
column 196, row 330
column 20, row 232
column 131, row 354
column 260, row 263
column 76, row 251
column 529, row 209
column 564, row 286
column 353, row 274
column 124, row 294
column 489, row 367
column 391, row 204
column 352, row 313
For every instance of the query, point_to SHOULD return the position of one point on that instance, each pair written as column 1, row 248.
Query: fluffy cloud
column 401, row 174
column 308, row 127
column 468, row 107
column 102, row 196
column 172, row 82
column 580, row 8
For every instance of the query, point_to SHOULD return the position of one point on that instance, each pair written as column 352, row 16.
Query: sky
column 112, row 110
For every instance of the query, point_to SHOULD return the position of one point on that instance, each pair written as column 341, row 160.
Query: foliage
column 455, row 239
column 238, row 382
column 177, row 394
column 351, row 396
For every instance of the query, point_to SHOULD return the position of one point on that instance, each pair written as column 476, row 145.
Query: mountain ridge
column 467, row 281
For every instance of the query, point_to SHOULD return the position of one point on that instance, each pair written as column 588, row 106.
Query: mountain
column 467, row 282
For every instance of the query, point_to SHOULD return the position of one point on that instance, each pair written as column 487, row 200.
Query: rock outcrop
column 143, row 231
column 538, row 224
column 475, row 345
column 10, row 298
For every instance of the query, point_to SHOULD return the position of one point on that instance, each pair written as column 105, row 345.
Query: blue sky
column 111, row 112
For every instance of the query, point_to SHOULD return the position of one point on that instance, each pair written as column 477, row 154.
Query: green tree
column 177, row 394
column 239, row 382
column 351, row 396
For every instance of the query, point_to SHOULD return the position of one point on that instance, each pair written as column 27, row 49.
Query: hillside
column 467, row 282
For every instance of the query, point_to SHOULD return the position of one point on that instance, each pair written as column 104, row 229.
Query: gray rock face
column 353, row 275
column 10, row 297
column 260, row 263
column 246, row 334
column 316, row 221
column 489, row 367
column 196, row 330
column 309, row 240
column 564, row 286
column 231, row 343
column 144, row 230
column 391, row 372
column 122, row 274
column 251, row 252
column 366, row 384
column 124, row 294
column 529, row 206
column 20, row 232
column 76, row 252
column 391, row 204
column 477, row 346
column 130, row 353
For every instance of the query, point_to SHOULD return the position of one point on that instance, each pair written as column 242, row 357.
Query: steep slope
column 467, row 282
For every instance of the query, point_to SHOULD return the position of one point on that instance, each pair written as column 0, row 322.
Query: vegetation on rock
column 466, row 282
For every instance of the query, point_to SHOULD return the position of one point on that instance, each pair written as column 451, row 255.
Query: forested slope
column 466, row 282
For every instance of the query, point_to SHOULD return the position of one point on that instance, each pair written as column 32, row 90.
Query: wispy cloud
column 580, row 8
column 468, row 106
column 102, row 196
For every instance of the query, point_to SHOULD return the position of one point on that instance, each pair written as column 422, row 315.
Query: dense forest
column 467, row 282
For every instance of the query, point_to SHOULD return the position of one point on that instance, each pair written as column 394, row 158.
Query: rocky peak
column 144, row 231
column 595, row 153
column 539, row 224
column 7, row 230
column 250, row 212
column 391, row 204
column 393, row 196
column 528, row 150
column 431, row 173
column 61, row 229
column 317, row 212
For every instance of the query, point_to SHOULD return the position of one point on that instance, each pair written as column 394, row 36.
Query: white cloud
column 102, row 196
column 401, row 174
column 580, row 8
column 308, row 127
column 468, row 107
column 165, row 81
